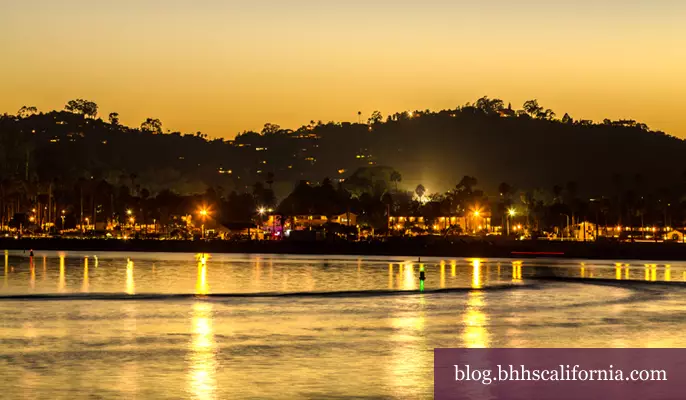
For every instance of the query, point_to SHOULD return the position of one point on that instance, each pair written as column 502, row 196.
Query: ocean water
column 208, row 326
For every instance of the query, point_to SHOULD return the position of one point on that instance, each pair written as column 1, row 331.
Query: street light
column 510, row 214
column 567, row 231
column 476, row 213
column 203, row 214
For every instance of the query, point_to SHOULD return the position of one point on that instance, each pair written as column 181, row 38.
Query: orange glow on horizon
column 294, row 67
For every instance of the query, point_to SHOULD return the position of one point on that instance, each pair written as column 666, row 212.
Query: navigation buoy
column 422, row 278
column 31, row 253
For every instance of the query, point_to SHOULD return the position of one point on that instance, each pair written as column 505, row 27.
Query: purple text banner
column 559, row 374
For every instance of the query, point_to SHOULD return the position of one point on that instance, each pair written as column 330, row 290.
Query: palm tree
column 396, row 178
column 420, row 190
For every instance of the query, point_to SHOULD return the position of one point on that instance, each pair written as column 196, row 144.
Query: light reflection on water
column 130, row 284
column 303, row 346
column 203, row 362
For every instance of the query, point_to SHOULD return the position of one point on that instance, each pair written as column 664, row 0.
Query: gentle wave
column 175, row 296
column 632, row 283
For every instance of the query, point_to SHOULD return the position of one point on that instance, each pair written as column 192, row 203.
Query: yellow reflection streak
column 453, row 268
column 390, row 275
column 96, row 261
column 202, row 374
column 7, row 267
column 626, row 271
column 476, row 273
column 32, row 282
column 410, row 353
column 85, row 285
column 653, row 273
column 618, row 271
column 409, row 282
column 516, row 271
column 475, row 321
column 130, row 284
column 257, row 272
column 201, row 286
column 400, row 276
column 668, row 273
column 62, row 282
column 583, row 271
column 442, row 274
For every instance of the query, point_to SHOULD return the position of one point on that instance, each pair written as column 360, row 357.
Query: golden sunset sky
column 222, row 67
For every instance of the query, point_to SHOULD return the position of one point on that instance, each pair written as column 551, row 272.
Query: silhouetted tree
column 152, row 125
column 114, row 118
column 420, row 191
column 84, row 107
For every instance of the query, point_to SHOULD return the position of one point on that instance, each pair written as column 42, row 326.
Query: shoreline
column 404, row 247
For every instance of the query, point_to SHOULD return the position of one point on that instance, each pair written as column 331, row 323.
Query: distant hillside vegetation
column 527, row 148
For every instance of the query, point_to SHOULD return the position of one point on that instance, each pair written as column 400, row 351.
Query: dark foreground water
column 159, row 326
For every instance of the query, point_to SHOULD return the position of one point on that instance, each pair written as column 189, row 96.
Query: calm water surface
column 158, row 326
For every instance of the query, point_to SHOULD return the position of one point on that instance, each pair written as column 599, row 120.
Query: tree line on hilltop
column 73, row 156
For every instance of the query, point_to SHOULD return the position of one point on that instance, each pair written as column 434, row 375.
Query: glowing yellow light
column 201, row 286
column 512, row 212
column 203, row 363
column 129, row 212
column 476, row 274
column 261, row 210
column 203, row 212
column 132, row 220
column 130, row 285
column 477, row 213
column 32, row 219
column 390, row 275
column 85, row 286
column 476, row 322
column 62, row 282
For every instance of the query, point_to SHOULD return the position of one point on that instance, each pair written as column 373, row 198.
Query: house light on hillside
column 341, row 171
